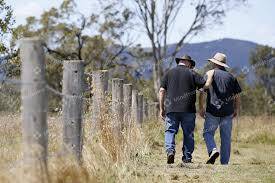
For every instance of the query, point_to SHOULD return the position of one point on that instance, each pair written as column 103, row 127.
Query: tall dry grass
column 246, row 129
column 108, row 157
column 254, row 130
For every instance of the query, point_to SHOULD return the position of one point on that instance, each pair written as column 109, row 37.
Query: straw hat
column 219, row 59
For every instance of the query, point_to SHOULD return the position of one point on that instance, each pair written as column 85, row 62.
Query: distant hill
column 237, row 51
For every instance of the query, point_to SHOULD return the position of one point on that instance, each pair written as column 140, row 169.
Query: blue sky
column 254, row 22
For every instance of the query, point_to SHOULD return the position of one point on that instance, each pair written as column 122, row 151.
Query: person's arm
column 162, row 93
column 199, row 80
column 209, row 75
column 201, row 104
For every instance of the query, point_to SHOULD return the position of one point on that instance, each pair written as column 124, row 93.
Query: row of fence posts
column 127, row 103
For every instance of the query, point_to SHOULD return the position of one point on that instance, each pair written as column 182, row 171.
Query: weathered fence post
column 73, row 76
column 134, row 107
column 153, row 110
column 34, row 111
column 127, row 102
column 150, row 110
column 117, row 104
column 156, row 110
column 109, row 86
column 145, row 109
column 140, row 109
column 99, row 89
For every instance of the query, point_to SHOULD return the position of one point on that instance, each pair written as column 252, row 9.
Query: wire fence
column 33, row 90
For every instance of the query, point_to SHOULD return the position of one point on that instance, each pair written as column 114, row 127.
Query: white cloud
column 29, row 9
column 266, row 35
column 25, row 8
column 252, row 23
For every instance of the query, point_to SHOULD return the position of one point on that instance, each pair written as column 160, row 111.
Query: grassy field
column 141, row 156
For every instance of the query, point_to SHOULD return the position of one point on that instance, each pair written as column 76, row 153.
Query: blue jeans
column 210, row 126
column 187, row 122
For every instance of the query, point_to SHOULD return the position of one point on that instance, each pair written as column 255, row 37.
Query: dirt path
column 249, row 163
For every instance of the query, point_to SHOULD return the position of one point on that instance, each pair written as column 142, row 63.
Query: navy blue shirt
column 180, row 84
column 221, row 93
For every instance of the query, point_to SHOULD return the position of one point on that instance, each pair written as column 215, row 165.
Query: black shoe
column 186, row 160
column 213, row 156
column 170, row 158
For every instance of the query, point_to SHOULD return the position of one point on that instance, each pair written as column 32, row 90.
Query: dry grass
column 255, row 130
column 106, row 157
column 138, row 155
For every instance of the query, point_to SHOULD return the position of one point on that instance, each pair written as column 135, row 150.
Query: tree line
column 106, row 39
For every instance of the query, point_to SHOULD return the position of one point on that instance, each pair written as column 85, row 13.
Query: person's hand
column 162, row 114
column 202, row 112
column 235, row 114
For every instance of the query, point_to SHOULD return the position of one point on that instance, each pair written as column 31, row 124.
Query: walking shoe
column 186, row 160
column 213, row 156
column 170, row 158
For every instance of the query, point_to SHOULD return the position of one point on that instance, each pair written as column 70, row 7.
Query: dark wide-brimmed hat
column 186, row 57
column 219, row 59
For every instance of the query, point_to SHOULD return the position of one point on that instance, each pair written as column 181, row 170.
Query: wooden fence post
column 134, row 107
column 145, row 109
column 73, row 76
column 99, row 89
column 127, row 102
column 34, row 111
column 150, row 110
column 109, row 86
column 140, row 109
column 117, row 104
column 153, row 110
column 156, row 110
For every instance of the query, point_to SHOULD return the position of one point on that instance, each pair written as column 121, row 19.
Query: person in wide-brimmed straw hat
column 187, row 58
column 219, row 59
column 223, row 104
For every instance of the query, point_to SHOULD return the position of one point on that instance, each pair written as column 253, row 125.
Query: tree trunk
column 156, row 77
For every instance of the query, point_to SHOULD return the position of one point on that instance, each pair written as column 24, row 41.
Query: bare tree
column 157, row 18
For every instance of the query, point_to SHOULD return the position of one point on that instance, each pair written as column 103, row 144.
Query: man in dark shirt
column 222, row 105
column 177, row 106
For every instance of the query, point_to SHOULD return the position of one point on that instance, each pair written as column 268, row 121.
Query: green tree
column 262, row 62
column 64, row 31
column 98, row 38
column 6, row 22
column 254, row 102
column 260, row 98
